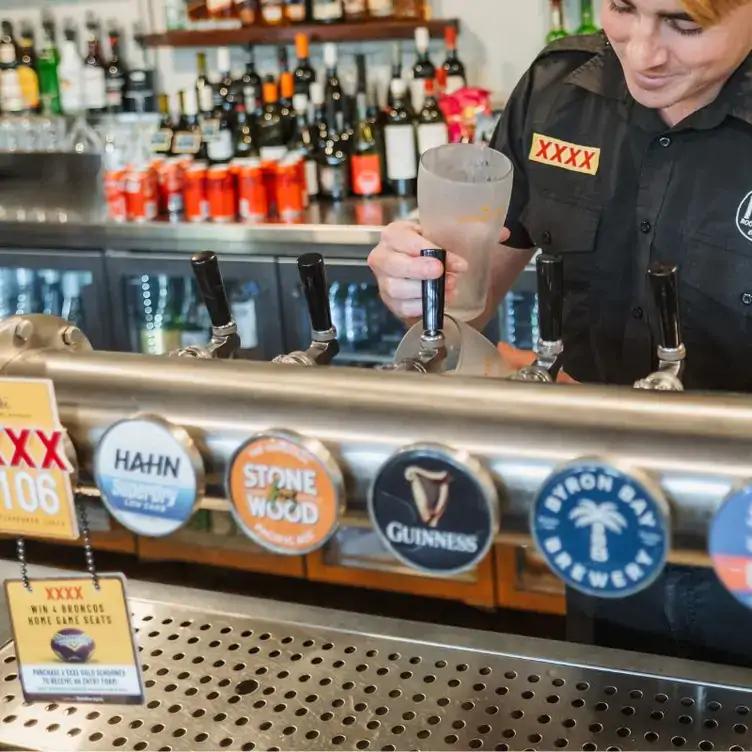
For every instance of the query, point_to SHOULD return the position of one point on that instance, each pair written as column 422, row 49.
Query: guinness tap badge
column 436, row 509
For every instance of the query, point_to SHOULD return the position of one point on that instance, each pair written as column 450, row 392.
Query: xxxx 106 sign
column 36, row 497
column 604, row 531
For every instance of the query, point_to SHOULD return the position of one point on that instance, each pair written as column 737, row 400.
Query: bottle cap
column 287, row 85
column 300, row 103
column 330, row 55
column 422, row 38
column 223, row 60
column 301, row 45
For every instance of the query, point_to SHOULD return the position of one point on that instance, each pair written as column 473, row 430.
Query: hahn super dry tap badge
column 435, row 509
column 604, row 531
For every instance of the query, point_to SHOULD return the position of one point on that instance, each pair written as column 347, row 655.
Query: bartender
column 631, row 146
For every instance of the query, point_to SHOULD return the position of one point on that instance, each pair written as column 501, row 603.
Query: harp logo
column 414, row 505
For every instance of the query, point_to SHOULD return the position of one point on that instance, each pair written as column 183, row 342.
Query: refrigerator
column 157, row 307
column 70, row 284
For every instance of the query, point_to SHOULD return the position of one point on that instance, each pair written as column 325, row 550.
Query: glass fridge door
column 157, row 298
column 69, row 285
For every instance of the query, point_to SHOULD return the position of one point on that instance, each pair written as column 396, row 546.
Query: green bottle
column 587, row 24
column 47, row 65
column 557, row 22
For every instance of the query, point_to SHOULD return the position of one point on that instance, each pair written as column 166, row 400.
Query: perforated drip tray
column 218, row 682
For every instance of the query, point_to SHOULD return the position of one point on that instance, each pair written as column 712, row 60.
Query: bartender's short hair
column 710, row 12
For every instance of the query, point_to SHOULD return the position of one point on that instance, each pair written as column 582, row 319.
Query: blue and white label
column 601, row 530
column 146, row 473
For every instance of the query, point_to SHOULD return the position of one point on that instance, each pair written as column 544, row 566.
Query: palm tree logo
column 599, row 518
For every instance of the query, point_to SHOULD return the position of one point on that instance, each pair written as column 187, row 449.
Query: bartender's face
column 670, row 62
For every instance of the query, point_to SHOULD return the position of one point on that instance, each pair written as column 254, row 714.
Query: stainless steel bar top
column 353, row 226
column 233, row 672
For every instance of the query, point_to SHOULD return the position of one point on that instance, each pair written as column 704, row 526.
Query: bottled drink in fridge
column 26, row 298
column 337, row 298
column 158, row 315
column 52, row 301
column 193, row 329
column 243, row 303
column 72, row 307
column 357, row 334
column 521, row 319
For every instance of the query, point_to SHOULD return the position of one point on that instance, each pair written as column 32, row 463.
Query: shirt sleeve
column 509, row 140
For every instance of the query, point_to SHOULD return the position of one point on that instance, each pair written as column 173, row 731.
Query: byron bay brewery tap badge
column 730, row 544
column 36, row 495
column 287, row 492
column 73, row 641
column 604, row 531
column 150, row 475
column 436, row 509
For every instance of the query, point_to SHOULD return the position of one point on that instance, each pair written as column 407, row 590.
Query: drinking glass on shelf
column 463, row 198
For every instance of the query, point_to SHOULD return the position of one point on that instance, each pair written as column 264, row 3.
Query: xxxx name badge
column 75, row 643
column 36, row 497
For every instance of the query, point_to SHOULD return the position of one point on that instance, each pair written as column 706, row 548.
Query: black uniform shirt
column 607, row 184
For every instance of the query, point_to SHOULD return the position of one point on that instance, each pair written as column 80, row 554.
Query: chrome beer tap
column 550, row 346
column 225, row 341
column 663, row 280
column 324, row 345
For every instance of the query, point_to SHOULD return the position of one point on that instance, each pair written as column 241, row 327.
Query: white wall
column 498, row 41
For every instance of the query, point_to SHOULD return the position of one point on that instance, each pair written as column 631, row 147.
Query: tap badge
column 604, row 532
column 150, row 475
column 435, row 509
column 730, row 544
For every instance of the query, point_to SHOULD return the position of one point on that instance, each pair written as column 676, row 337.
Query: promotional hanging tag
column 36, row 496
column 74, row 641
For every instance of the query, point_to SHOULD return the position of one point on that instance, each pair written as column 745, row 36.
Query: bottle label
column 401, row 153
column 94, row 88
column 29, row 87
column 161, row 141
column 272, row 153
column 312, row 177
column 220, row 148
column 271, row 11
column 327, row 10
column 209, row 129
column 366, row 174
column 7, row 53
column 11, row 97
column 71, row 95
column 431, row 135
column 381, row 8
column 185, row 142
column 454, row 84
column 205, row 99
column 249, row 97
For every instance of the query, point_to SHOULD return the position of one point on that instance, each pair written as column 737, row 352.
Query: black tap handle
column 433, row 295
column 313, row 278
column 664, row 287
column 550, row 271
column 209, row 279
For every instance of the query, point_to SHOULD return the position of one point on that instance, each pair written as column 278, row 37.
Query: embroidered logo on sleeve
column 551, row 151
column 744, row 217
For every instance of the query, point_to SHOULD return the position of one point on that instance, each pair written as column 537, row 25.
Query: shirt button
column 645, row 227
column 546, row 238
column 637, row 312
column 747, row 298
column 664, row 141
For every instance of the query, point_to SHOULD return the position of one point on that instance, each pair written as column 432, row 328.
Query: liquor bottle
column 587, row 22
column 251, row 83
column 423, row 68
column 319, row 116
column 245, row 146
column 401, row 148
column 332, row 88
column 226, row 85
column 397, row 75
column 71, row 73
column 47, row 68
column 283, row 59
column 334, row 161
column 304, row 143
column 27, row 69
column 454, row 68
column 432, row 126
column 247, row 11
column 11, row 95
column 327, row 11
column 304, row 74
column 366, row 160
column 356, row 10
column 203, row 87
column 221, row 10
column 557, row 22
column 95, row 91
column 188, row 137
column 72, row 307
column 271, row 127
column 161, row 139
column 287, row 92
column 220, row 145
column 139, row 86
column 381, row 9
column 272, row 12
column 115, row 74
column 413, row 10
column 296, row 11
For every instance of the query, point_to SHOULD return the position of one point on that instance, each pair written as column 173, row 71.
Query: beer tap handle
column 209, row 279
column 664, row 288
column 433, row 295
column 313, row 278
column 550, row 297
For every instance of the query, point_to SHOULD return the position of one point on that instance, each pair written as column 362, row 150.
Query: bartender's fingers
column 396, row 288
column 504, row 235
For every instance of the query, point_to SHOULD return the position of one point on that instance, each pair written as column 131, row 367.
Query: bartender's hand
column 520, row 358
column 399, row 268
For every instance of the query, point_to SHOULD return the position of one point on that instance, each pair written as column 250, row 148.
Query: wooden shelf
column 261, row 35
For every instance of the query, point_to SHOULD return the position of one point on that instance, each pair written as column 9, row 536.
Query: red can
column 171, row 187
column 221, row 194
column 269, row 172
column 194, row 193
column 114, row 191
column 140, row 196
column 253, row 201
column 288, row 190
